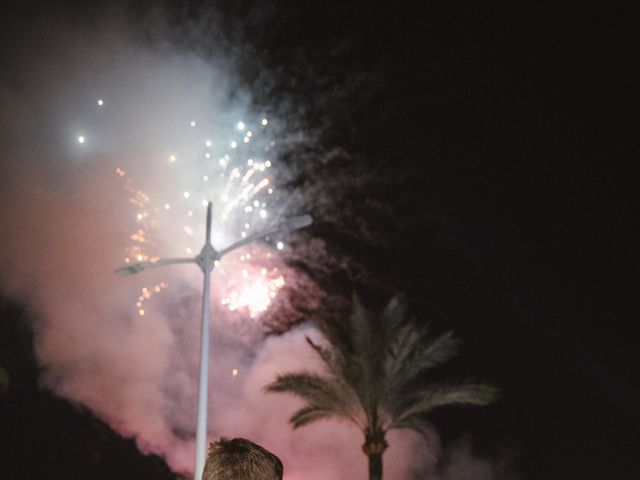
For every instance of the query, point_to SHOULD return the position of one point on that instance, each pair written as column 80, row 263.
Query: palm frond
column 361, row 329
column 337, row 335
column 408, row 339
column 411, row 354
column 394, row 315
column 309, row 414
column 307, row 385
column 365, row 360
column 328, row 393
column 425, row 357
column 435, row 396
column 333, row 359
column 349, row 372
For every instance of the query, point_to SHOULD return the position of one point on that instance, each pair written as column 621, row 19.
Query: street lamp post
column 206, row 260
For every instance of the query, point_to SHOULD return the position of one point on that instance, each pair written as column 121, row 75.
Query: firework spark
column 233, row 167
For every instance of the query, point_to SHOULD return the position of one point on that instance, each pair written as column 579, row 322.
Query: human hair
column 241, row 459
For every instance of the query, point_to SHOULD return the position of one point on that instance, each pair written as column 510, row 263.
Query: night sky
column 472, row 158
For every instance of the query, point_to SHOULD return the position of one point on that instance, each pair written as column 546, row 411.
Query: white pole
column 206, row 261
column 203, row 384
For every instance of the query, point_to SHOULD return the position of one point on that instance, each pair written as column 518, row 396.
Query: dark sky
column 474, row 158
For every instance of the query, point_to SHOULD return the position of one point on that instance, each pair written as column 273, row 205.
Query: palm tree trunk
column 375, row 466
column 374, row 446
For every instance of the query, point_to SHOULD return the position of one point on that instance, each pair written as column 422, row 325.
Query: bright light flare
column 254, row 295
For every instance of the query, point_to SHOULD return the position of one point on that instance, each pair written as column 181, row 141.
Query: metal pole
column 203, row 384
column 206, row 261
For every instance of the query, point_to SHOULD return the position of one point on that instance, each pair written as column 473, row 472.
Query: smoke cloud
column 66, row 219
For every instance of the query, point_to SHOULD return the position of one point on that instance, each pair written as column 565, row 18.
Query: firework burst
column 231, row 168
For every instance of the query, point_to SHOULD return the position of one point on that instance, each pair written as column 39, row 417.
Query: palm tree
column 374, row 377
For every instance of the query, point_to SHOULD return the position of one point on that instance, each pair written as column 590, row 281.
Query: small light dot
column 264, row 121
column 172, row 158
column 280, row 245
column 205, row 203
column 81, row 139
column 192, row 123
column 167, row 206
column 240, row 125
column 207, row 155
column 141, row 312
column 268, row 163
column 233, row 144
column 208, row 143
column 205, row 178
column 100, row 102
column 186, row 194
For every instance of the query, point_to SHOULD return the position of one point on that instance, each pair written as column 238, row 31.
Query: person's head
column 241, row 459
